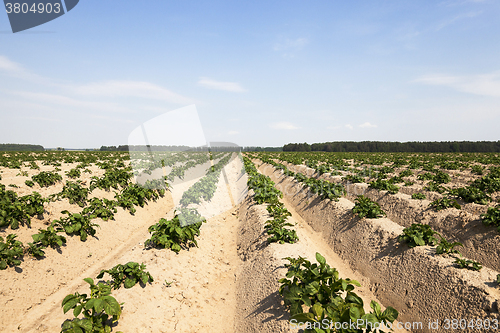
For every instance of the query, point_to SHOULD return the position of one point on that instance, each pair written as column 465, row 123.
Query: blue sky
column 259, row 73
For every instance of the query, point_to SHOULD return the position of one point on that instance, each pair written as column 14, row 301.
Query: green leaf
column 90, row 304
column 320, row 258
column 306, row 300
column 353, row 298
column 111, row 306
column 317, row 309
column 303, row 317
column 376, row 307
column 370, row 318
column 355, row 313
column 390, row 314
column 129, row 283
column 313, row 288
column 86, row 324
column 77, row 310
column 70, row 302
column 89, row 281
column 98, row 305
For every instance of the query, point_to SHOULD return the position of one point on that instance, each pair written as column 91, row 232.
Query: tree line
column 396, row 147
column 20, row 147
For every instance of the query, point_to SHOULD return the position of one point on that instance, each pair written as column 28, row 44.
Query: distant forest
column 20, row 147
column 411, row 147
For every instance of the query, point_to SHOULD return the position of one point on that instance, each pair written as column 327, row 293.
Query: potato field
column 257, row 242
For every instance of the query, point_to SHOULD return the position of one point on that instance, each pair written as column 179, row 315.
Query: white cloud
column 9, row 66
column 290, row 46
column 367, row 125
column 131, row 89
column 484, row 85
column 349, row 126
column 451, row 3
column 283, row 125
column 46, row 99
column 219, row 85
column 296, row 44
column 233, row 132
column 457, row 18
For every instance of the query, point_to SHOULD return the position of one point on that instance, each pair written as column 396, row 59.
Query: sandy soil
column 227, row 284
column 191, row 292
column 415, row 281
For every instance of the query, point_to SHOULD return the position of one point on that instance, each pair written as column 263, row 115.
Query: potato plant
column 434, row 187
column 324, row 188
column 129, row 274
column 76, row 223
column 101, row 208
column 444, row 203
column 265, row 192
column 264, row 189
column 384, row 185
column 15, row 211
column 492, row 217
column 97, row 310
column 205, row 188
column 446, row 247
column 419, row 235
column 169, row 234
column 477, row 169
column 405, row 173
column 471, row 194
column 74, row 192
column 74, row 173
column 318, row 288
column 364, row 207
column 11, row 251
column 33, row 203
column 418, row 196
column 322, row 169
column 44, row 239
column 112, row 178
column 354, row 179
column 188, row 216
column 468, row 264
column 136, row 195
column 489, row 183
column 46, row 178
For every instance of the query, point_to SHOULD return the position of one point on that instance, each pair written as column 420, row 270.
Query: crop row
column 436, row 171
column 266, row 192
column 316, row 298
column 415, row 235
column 342, row 161
column 206, row 186
column 16, row 160
column 15, row 210
column 479, row 191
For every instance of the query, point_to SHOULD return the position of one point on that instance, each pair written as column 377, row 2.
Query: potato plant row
column 416, row 235
column 16, row 211
column 278, row 228
column 480, row 191
column 330, row 302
